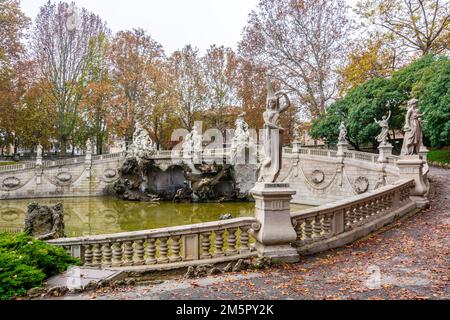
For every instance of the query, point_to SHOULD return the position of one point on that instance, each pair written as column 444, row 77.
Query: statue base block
column 282, row 253
column 411, row 167
column 385, row 152
column 276, row 232
column 342, row 148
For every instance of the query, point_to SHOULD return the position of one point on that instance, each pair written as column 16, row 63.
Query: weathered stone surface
column 36, row 292
column 190, row 274
column 57, row 291
column 45, row 223
column 214, row 271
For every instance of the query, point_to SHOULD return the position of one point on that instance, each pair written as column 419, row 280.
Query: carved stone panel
column 361, row 185
column 64, row 177
column 11, row 182
column 110, row 173
column 318, row 176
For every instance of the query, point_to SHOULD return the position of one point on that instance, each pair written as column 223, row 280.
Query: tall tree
column 189, row 83
column 134, row 56
column 99, row 96
column 300, row 42
column 420, row 25
column 220, row 68
column 370, row 58
column 60, row 43
column 13, row 24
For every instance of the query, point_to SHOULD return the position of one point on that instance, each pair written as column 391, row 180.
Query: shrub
column 25, row 262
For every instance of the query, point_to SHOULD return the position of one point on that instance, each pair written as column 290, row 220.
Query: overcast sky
column 173, row 23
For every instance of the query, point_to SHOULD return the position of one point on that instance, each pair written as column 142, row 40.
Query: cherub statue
column 384, row 124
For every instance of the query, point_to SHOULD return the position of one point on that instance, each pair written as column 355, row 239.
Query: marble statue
column 142, row 147
column 39, row 151
column 342, row 133
column 273, row 135
column 241, row 139
column 192, row 142
column 88, row 146
column 384, row 124
column 39, row 155
column 412, row 140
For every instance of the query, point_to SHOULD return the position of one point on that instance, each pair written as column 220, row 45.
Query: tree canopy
column 426, row 79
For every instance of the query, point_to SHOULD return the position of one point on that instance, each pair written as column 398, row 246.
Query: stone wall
column 321, row 180
column 318, row 176
column 70, row 180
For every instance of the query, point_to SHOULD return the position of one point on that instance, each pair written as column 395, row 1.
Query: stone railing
column 29, row 165
column 361, row 156
column 108, row 156
column 329, row 222
column 17, row 167
column 220, row 240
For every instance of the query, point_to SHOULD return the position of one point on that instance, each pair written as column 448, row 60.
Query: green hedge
column 26, row 262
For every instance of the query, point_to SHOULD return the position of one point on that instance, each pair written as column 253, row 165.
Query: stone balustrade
column 220, row 240
column 345, row 219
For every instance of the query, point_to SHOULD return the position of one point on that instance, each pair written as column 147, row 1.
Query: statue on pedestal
column 192, row 144
column 142, row 147
column 342, row 133
column 241, row 140
column 273, row 135
column 412, row 140
column 384, row 124
column 39, row 155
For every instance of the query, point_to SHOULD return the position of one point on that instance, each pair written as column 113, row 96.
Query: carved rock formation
column 45, row 223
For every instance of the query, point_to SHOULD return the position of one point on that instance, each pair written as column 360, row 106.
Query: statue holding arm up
column 384, row 124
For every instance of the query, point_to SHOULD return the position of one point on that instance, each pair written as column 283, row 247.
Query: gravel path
column 407, row 260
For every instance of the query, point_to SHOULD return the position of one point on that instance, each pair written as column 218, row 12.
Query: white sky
column 173, row 23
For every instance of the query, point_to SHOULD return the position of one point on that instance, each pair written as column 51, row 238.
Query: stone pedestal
column 342, row 148
column 274, row 232
column 423, row 152
column 411, row 167
column 296, row 146
column 385, row 152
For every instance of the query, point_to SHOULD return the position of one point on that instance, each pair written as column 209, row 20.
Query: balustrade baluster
column 140, row 252
column 175, row 256
column 128, row 253
column 88, row 255
column 218, row 244
column 244, row 248
column 97, row 255
column 231, row 250
column 206, row 246
column 163, row 250
column 299, row 229
column 308, row 229
column 317, row 229
column 151, row 251
column 327, row 226
column 107, row 254
column 367, row 211
column 117, row 254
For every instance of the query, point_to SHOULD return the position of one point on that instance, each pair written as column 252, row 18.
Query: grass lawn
column 441, row 156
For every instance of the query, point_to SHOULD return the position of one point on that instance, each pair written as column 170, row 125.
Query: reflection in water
column 92, row 216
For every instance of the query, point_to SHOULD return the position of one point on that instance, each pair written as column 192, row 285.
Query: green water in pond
column 93, row 216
